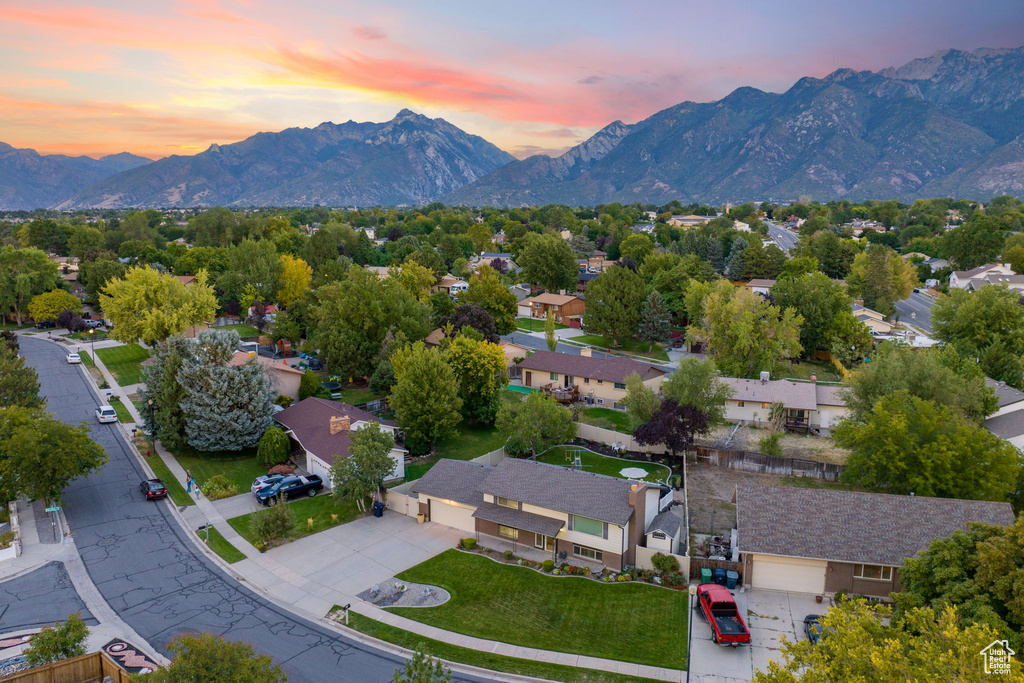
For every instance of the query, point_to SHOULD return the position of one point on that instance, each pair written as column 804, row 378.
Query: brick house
column 808, row 405
column 564, row 307
column 596, row 381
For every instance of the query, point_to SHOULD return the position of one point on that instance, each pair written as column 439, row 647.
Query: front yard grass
column 221, row 545
column 240, row 467
column 535, row 325
column 602, row 464
column 486, row 660
column 174, row 487
column 124, row 362
column 607, row 418
column 319, row 508
column 241, row 329
column 628, row 345
column 122, row 411
column 520, row 606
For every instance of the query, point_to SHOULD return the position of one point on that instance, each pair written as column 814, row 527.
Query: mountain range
column 948, row 125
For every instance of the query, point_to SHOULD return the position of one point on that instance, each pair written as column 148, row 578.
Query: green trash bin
column 705, row 576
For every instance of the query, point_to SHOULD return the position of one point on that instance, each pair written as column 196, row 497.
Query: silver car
column 266, row 480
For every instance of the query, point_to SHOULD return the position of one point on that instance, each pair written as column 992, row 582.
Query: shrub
column 274, row 447
column 666, row 564
column 507, row 555
column 283, row 401
column 272, row 524
column 469, row 543
column 548, row 565
column 219, row 487
column 310, row 385
column 54, row 643
column 282, row 469
column 770, row 445
column 6, row 539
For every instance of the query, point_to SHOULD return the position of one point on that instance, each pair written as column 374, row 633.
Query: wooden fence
column 698, row 563
column 768, row 464
column 90, row 668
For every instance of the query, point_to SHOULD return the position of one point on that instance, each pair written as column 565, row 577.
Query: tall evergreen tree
column 655, row 321
column 19, row 384
column 613, row 304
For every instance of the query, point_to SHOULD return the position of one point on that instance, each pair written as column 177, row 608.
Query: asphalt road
column 156, row 581
column 782, row 237
column 40, row 598
column 916, row 310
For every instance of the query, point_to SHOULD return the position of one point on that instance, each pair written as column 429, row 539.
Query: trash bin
column 731, row 578
column 720, row 577
column 378, row 509
column 705, row 576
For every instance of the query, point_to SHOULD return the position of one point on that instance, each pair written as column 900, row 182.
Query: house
column 596, row 262
column 596, row 381
column 936, row 263
column 564, row 307
column 1008, row 399
column 809, row 406
column 960, row 279
column 74, row 286
column 761, row 286
column 873, row 319
column 500, row 261
column 186, row 280
column 860, row 226
column 1007, row 422
column 435, row 337
column 741, row 226
column 521, row 292
column 322, row 429
column 583, row 279
column 1014, row 282
column 824, row 541
column 284, row 379
column 572, row 514
column 688, row 221
column 513, row 351
column 451, row 285
column 383, row 272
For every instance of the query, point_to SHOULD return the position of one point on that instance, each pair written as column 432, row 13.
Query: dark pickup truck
column 290, row 487
column 717, row 605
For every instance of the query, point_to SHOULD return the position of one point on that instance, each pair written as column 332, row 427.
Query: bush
column 282, row 469
column 274, row 447
column 507, row 555
column 6, row 539
column 666, row 564
column 469, row 543
column 55, row 643
column 548, row 565
column 283, row 401
column 770, row 445
column 310, row 385
column 219, row 487
column 272, row 524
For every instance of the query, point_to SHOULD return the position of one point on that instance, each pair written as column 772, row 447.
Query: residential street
column 154, row 578
column 916, row 310
column 782, row 237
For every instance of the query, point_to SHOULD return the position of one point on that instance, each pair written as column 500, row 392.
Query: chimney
column 814, row 378
column 765, row 376
column 339, row 424
column 586, row 352
column 634, row 489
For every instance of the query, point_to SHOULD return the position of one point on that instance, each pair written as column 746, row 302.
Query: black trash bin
column 378, row 509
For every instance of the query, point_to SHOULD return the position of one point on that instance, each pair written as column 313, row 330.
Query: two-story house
column 564, row 307
column 961, row 279
column 808, row 405
column 874, row 320
column 596, row 381
column 451, row 285
column 569, row 513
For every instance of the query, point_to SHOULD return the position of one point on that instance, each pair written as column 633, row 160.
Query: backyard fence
column 611, row 437
column 96, row 666
column 698, row 563
column 768, row 464
column 492, row 458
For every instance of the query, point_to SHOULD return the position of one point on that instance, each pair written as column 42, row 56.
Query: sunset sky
column 173, row 76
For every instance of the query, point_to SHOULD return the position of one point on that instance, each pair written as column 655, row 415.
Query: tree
column 167, row 420
column 975, row 322
column 480, row 372
column 413, row 278
column 535, row 424
column 548, row 261
column 746, row 333
column 49, row 305
column 673, row 425
column 696, row 384
column 275, row 447
column 423, row 668
column 70, row 321
column 151, row 306
column 860, row 646
column 880, row 277
column 976, row 242
column 370, row 453
column 636, row 247
column 58, row 642
column 849, row 340
column 309, row 385
column 641, row 402
column 24, row 273
column 205, row 657
column 549, row 331
column 40, row 455
column 256, row 264
column 614, row 299
column 910, row 445
column 295, row 278
column 834, row 254
column 1015, row 257
column 818, row 300
column 487, row 292
column 473, row 317
column 655, row 324
column 19, row 383
column 425, row 397
column 94, row 275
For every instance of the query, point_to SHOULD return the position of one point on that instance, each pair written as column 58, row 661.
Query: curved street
column 155, row 579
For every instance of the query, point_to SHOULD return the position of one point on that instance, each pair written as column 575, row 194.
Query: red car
column 719, row 608
column 153, row 489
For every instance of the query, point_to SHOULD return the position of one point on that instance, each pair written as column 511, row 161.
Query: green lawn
column 485, row 660
column 87, row 359
column 174, row 488
column 601, row 464
column 124, row 362
column 826, row 372
column 606, row 418
column 319, row 508
column 221, row 546
column 240, row 467
column 629, row 345
column 535, row 325
column 517, row 605
column 242, row 330
column 354, row 394
column 98, row 335
column 122, row 411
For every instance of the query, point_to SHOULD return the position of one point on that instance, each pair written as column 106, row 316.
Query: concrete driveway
column 712, row 662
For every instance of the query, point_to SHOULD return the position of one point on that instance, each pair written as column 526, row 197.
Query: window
column 739, row 404
column 660, row 535
column 620, row 385
column 766, row 406
column 508, row 532
column 586, row 380
column 508, row 502
column 600, row 381
column 553, row 376
column 585, row 525
column 872, row 571
column 588, row 553
column 600, row 401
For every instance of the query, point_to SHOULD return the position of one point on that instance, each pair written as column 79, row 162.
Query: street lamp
column 152, row 421
column 92, row 343
column 689, row 629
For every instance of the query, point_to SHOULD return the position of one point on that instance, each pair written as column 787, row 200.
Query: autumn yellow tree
column 295, row 278
column 413, row 278
column 150, row 306
column 51, row 304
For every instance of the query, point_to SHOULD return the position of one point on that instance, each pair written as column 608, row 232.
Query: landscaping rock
column 388, row 594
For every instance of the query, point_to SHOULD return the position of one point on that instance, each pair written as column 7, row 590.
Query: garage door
column 452, row 515
column 789, row 574
column 319, row 467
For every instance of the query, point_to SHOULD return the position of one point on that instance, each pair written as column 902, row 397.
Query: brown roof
column 846, row 526
column 606, row 369
column 309, row 420
column 435, row 337
column 549, row 299
column 241, row 357
column 527, row 521
column 185, row 279
column 456, row 480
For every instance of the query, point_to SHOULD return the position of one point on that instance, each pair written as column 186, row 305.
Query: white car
column 106, row 414
column 74, row 358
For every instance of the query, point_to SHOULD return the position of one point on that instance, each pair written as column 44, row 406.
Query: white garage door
column 789, row 574
column 320, row 468
column 451, row 515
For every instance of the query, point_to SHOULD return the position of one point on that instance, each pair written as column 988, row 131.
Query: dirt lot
column 809, row 447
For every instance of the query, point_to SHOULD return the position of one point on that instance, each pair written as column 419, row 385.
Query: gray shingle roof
column 795, row 395
column 607, row 369
column 1005, row 394
column 527, row 521
column 310, row 421
column 666, row 521
column 845, row 526
column 561, row 488
column 456, row 480
column 1007, row 426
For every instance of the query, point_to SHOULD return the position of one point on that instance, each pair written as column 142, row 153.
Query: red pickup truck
column 719, row 608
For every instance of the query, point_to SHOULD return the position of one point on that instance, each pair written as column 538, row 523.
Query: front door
column 544, row 543
column 529, row 378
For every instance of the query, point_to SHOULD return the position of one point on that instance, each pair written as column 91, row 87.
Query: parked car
column 74, row 358
column 812, row 627
column 45, row 324
column 93, row 324
column 718, row 606
column 265, row 480
column 290, row 486
column 153, row 489
column 106, row 414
